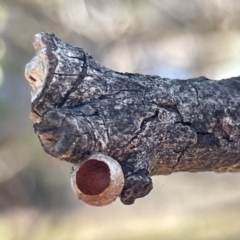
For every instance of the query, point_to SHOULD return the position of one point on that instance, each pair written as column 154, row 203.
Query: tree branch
column 150, row 125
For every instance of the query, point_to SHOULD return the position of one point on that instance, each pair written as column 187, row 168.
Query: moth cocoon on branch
column 98, row 180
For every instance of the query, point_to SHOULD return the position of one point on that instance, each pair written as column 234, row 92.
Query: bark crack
column 179, row 158
column 142, row 127
column 80, row 78
column 178, row 112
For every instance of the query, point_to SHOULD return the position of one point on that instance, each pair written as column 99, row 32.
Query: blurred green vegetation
column 175, row 39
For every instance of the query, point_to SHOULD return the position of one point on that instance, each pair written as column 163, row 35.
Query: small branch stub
column 97, row 181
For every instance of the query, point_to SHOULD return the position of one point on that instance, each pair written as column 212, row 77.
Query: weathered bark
column 150, row 125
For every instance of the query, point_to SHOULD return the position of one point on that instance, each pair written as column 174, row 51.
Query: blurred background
column 174, row 39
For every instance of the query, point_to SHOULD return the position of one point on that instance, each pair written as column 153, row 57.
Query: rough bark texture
column 151, row 125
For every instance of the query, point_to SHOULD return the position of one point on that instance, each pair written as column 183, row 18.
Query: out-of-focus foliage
column 176, row 39
column 192, row 36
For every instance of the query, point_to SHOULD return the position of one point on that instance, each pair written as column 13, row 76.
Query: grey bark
column 150, row 125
